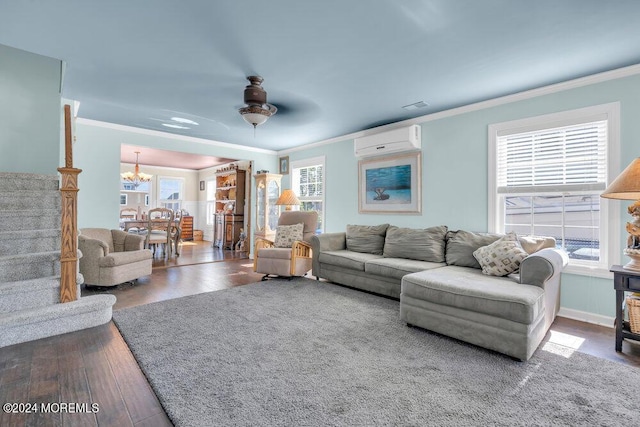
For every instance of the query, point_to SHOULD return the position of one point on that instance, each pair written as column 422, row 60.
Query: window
column 545, row 178
column 307, row 181
column 170, row 192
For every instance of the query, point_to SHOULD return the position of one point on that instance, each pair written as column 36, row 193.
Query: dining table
column 127, row 223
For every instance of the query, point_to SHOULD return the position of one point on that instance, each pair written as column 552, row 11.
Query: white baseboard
column 585, row 316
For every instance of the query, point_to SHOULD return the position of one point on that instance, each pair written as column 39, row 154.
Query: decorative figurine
column 241, row 241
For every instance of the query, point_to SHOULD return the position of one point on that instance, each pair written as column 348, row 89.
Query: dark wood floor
column 96, row 366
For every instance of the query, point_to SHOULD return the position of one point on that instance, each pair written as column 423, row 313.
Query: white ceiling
column 331, row 67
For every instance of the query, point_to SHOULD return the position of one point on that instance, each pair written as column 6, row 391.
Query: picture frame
column 123, row 199
column 390, row 184
column 146, row 200
column 201, row 185
column 284, row 165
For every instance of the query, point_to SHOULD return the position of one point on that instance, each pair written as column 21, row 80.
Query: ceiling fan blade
column 298, row 111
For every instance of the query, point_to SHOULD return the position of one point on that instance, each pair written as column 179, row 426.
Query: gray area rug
column 307, row 353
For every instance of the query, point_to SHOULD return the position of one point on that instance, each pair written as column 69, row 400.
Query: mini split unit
column 393, row 141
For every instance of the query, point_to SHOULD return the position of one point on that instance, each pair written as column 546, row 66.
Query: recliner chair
column 287, row 262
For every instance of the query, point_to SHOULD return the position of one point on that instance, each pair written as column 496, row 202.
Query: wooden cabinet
column 227, row 229
column 186, row 227
column 230, row 186
column 267, row 212
column 229, row 217
column 624, row 281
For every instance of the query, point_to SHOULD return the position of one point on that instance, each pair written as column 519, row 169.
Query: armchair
column 110, row 257
column 291, row 261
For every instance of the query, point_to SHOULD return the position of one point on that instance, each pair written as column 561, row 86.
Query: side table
column 624, row 281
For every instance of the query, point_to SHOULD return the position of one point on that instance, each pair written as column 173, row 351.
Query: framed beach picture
column 390, row 184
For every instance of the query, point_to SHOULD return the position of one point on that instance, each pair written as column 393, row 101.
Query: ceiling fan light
column 255, row 115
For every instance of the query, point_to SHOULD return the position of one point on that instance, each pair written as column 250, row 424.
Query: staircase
column 30, row 265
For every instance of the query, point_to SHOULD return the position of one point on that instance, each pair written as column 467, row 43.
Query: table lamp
column 288, row 199
column 627, row 187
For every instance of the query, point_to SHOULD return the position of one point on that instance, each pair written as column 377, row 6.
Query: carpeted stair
column 30, row 265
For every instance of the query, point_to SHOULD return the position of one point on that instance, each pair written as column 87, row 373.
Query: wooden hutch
column 229, row 217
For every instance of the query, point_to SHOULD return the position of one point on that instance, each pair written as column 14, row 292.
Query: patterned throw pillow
column 287, row 234
column 502, row 257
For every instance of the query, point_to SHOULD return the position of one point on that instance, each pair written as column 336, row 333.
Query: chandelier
column 137, row 177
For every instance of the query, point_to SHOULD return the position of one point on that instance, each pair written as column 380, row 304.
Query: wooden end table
column 624, row 281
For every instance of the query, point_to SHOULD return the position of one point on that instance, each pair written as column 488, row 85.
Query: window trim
column 312, row 161
column 609, row 212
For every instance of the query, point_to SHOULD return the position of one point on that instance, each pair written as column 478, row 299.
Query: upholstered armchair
column 111, row 257
column 290, row 254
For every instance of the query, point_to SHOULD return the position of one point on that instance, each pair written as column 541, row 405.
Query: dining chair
column 159, row 225
column 128, row 214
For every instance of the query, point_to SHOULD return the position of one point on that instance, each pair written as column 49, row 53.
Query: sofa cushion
column 461, row 245
column 347, row 259
column 469, row 289
column 425, row 244
column 287, row 234
column 366, row 238
column 398, row 267
column 502, row 257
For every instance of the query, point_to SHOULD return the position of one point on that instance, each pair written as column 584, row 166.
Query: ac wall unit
column 393, row 141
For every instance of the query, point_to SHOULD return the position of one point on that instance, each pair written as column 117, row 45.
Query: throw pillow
column 461, row 245
column 287, row 234
column 367, row 239
column 422, row 244
column 533, row 244
column 502, row 257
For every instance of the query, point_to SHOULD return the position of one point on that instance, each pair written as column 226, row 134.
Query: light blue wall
column 97, row 153
column 29, row 112
column 454, row 174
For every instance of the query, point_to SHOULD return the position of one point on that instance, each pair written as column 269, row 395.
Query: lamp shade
column 288, row 198
column 254, row 119
column 627, row 185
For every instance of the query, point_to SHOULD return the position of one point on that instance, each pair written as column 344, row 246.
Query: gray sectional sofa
column 443, row 287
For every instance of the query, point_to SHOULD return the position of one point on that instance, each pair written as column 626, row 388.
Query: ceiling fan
column 257, row 110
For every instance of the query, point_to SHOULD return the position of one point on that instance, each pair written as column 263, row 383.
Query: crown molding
column 157, row 133
column 507, row 99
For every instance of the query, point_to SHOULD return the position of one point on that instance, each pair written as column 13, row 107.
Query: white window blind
column 568, row 157
column 307, row 181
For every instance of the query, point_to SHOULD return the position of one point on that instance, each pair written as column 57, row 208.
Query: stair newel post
column 69, row 218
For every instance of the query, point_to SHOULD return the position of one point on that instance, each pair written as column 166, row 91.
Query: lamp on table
column 627, row 187
column 288, row 199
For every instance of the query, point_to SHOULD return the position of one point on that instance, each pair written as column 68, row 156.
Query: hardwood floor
column 95, row 366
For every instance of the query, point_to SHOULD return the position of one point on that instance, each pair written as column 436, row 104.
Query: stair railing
column 69, row 217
